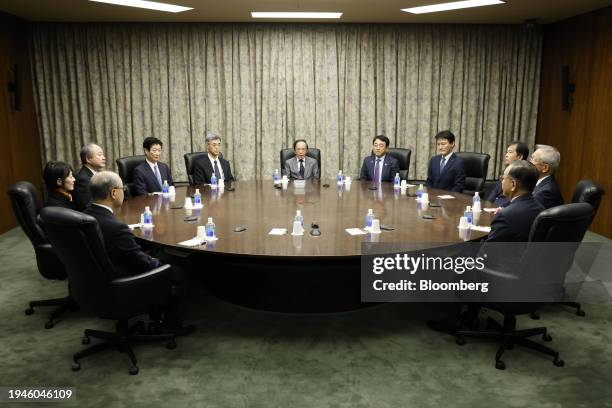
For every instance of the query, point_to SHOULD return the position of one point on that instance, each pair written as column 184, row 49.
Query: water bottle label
column 210, row 231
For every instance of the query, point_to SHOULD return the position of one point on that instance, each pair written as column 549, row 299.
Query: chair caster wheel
column 49, row 325
column 500, row 365
column 559, row 363
column 133, row 370
column 85, row 340
column 460, row 341
column 171, row 345
column 580, row 313
column 29, row 311
column 76, row 366
column 546, row 337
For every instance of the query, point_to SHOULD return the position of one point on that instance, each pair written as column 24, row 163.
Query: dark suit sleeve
column 363, row 174
column 459, row 181
column 317, row 171
column 228, row 175
column 546, row 197
column 429, row 181
column 132, row 254
column 80, row 194
column 199, row 175
column 500, row 229
column 140, row 184
column 495, row 192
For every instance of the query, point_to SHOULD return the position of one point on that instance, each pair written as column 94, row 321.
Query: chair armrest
column 145, row 275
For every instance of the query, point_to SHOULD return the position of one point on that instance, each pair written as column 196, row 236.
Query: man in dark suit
column 513, row 222
column 516, row 150
column 547, row 192
column 149, row 176
column 205, row 167
column 92, row 160
column 126, row 255
column 446, row 171
column 379, row 166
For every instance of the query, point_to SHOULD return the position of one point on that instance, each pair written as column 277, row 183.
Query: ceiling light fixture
column 151, row 5
column 451, row 6
column 293, row 14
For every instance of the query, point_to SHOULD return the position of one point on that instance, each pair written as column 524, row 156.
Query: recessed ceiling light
column 152, row 5
column 293, row 14
column 451, row 6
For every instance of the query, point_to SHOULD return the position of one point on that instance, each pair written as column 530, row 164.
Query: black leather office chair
column 476, row 167
column 126, row 166
column 587, row 191
column 78, row 242
column 286, row 154
column 26, row 204
column 565, row 223
column 190, row 159
column 403, row 157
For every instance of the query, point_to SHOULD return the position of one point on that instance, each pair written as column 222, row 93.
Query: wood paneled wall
column 18, row 132
column 583, row 135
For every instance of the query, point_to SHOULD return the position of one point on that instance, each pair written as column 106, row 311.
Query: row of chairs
column 68, row 245
column 476, row 166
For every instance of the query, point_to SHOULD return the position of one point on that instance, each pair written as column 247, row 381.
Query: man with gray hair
column 213, row 163
column 546, row 159
column 93, row 161
column 126, row 255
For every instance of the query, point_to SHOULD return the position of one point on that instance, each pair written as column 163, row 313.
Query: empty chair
column 476, row 167
column 403, row 157
column 26, row 204
column 78, row 242
column 286, row 154
column 190, row 159
column 565, row 223
column 126, row 166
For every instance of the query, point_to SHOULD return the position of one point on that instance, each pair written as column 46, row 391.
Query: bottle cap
column 298, row 212
column 339, row 171
column 370, row 211
column 476, row 193
column 165, row 181
column 210, row 220
column 468, row 208
column 197, row 191
column 146, row 208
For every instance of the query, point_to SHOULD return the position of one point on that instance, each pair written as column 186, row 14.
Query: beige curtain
column 260, row 86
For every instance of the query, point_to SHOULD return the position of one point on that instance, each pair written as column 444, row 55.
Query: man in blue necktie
column 446, row 171
column 301, row 166
column 380, row 166
column 149, row 176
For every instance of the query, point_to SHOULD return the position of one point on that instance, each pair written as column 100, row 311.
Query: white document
column 490, row 209
column 193, row 242
column 446, row 197
column 355, row 231
column 278, row 231
column 134, row 226
column 479, row 228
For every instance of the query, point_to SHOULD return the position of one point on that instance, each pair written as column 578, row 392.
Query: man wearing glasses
column 513, row 222
column 547, row 192
column 149, row 177
column 213, row 163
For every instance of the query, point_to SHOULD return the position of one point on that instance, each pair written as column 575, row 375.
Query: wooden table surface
column 260, row 207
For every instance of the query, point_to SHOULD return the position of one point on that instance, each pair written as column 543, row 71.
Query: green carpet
column 384, row 356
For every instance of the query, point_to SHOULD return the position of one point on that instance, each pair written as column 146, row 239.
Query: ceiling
column 355, row 11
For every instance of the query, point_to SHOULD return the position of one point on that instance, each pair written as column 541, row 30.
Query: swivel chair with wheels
column 77, row 240
column 26, row 204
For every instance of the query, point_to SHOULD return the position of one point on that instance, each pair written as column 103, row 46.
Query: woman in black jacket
column 60, row 183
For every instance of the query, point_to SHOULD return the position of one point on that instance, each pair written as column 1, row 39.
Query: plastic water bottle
column 419, row 192
column 298, row 217
column 213, row 181
column 148, row 216
column 339, row 178
column 197, row 198
column 396, row 181
column 210, row 228
column 165, row 187
column 368, row 219
column 476, row 201
column 276, row 177
column 469, row 215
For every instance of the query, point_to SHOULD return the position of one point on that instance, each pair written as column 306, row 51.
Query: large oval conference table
column 294, row 273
